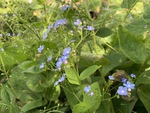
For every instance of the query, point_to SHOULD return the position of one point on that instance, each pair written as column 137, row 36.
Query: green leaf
column 104, row 32
column 146, row 15
column 143, row 93
column 32, row 105
column 128, row 3
column 87, row 59
column 88, row 71
column 33, row 70
column 5, row 96
column 34, row 82
column 26, row 64
column 105, row 106
column 71, row 94
column 90, row 102
column 124, row 106
column 72, row 76
column 144, row 78
column 93, row 101
column 80, row 108
column 138, row 26
column 12, row 55
column 115, row 59
column 132, row 47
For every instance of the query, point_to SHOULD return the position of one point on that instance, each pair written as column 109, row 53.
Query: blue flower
column 56, row 83
column 90, row 28
column 77, row 22
column 42, row 65
column 66, row 51
column 49, row 58
column 132, row 75
column 63, row 58
column 62, row 78
column 111, row 77
column 59, row 22
column 59, row 63
column 40, row 48
column 122, row 91
column 87, row 89
column 129, row 85
column 8, row 34
column 64, row 8
column 1, row 35
column 49, row 28
column 124, row 80
column 45, row 35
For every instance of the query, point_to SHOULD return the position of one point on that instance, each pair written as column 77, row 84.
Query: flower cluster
column 78, row 23
column 59, row 22
column 55, row 26
column 87, row 89
column 48, row 30
column 126, row 88
column 127, row 85
column 63, row 58
column 60, row 80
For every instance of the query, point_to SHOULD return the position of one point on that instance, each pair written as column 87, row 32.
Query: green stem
column 128, row 11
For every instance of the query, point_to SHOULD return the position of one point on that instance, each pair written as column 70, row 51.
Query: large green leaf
column 143, row 93
column 132, row 47
column 12, row 55
column 124, row 106
column 146, row 15
column 90, row 102
column 34, row 82
column 72, row 76
column 138, row 26
column 88, row 71
column 144, row 78
column 115, row 59
column 81, row 108
column 32, row 105
column 88, row 59
column 93, row 101
column 5, row 96
column 104, row 32
column 71, row 94
column 128, row 3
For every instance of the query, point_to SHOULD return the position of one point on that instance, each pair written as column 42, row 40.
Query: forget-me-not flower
column 122, row 91
column 60, row 80
column 123, row 80
column 132, row 75
column 42, row 65
column 90, row 28
column 129, row 85
column 87, row 89
column 40, row 48
column 77, row 22
column 63, row 58
column 64, row 8
column 111, row 77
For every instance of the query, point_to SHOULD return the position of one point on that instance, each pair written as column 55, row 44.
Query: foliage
column 80, row 56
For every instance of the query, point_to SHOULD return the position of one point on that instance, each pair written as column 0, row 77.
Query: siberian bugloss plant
column 74, row 56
